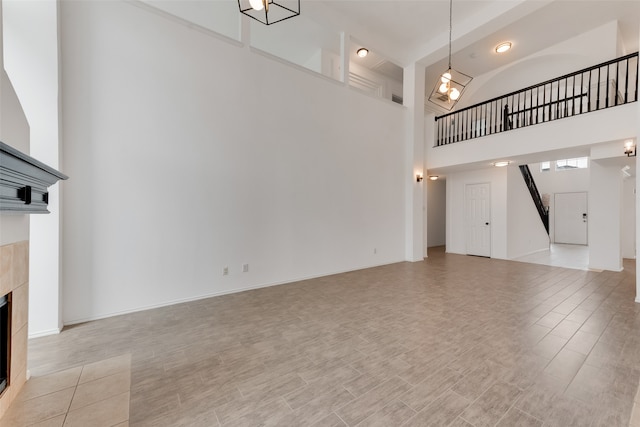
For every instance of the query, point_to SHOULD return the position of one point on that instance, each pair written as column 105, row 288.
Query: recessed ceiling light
column 501, row 164
column 503, row 47
column 362, row 52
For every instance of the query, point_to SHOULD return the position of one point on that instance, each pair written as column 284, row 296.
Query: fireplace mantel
column 24, row 182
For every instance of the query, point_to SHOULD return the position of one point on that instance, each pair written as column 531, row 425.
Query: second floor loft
column 610, row 84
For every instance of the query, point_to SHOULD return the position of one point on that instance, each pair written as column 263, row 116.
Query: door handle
column 486, row 223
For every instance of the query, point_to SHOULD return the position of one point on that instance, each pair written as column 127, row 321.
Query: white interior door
column 478, row 219
column 570, row 218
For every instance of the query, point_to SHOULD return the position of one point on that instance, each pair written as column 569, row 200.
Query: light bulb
column 503, row 47
column 443, row 88
column 362, row 52
column 628, row 145
column 446, row 77
column 256, row 4
column 454, row 94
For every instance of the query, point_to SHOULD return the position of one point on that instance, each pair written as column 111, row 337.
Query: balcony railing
column 595, row 88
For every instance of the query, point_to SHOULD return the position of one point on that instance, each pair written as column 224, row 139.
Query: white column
column 31, row 61
column 413, row 98
column 345, row 47
column 637, row 210
column 605, row 217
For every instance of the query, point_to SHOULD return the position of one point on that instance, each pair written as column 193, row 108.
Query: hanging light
column 451, row 83
column 269, row 11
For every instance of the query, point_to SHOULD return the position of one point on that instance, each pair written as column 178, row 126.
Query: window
column 545, row 166
column 578, row 163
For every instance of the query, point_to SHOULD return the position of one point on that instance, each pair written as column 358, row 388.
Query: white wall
column 572, row 133
column 605, row 204
column 31, row 60
column 185, row 159
column 516, row 228
column 14, row 131
column 525, row 231
column 593, row 47
column 628, row 230
column 219, row 16
column 456, row 182
column 562, row 181
column 437, row 212
column 387, row 86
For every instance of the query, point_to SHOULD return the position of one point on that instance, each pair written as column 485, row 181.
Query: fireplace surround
column 5, row 341
column 14, row 282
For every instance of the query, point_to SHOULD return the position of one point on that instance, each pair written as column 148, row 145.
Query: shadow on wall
column 521, row 74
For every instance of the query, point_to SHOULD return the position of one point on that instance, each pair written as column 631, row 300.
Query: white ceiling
column 408, row 31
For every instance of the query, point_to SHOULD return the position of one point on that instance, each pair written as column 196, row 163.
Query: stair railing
column 535, row 195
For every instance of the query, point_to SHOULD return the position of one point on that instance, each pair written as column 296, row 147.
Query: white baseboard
column 217, row 294
column 44, row 333
column 528, row 253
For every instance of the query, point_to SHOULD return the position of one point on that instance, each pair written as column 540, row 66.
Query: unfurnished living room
column 319, row 213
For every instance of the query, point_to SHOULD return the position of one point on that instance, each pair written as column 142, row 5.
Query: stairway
column 535, row 195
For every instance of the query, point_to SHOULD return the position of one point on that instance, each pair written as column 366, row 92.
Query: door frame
column 555, row 212
column 490, row 220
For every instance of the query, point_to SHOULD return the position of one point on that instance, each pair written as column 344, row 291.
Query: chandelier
column 269, row 11
column 451, row 83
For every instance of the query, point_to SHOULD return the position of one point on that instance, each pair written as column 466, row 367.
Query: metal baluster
column 473, row 123
column 581, row 91
column 615, row 95
column 544, row 103
column 598, row 94
column 558, row 101
column 515, row 110
column 566, row 95
column 606, row 100
column 637, row 74
column 573, row 95
column 537, row 103
column 626, row 82
column 589, row 92
column 490, row 119
column 483, row 121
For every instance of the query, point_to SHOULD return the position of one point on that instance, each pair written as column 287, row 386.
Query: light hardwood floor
column 451, row 341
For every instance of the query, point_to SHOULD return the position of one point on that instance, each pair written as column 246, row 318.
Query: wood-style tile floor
column 451, row 341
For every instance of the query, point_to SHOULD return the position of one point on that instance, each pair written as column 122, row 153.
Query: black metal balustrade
column 595, row 88
column 535, row 196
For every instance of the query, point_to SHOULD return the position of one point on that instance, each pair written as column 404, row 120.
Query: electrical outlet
column 225, row 271
column 245, row 268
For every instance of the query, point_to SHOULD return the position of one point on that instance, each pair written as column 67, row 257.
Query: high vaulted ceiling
column 408, row 31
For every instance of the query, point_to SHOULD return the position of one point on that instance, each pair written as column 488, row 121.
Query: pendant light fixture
column 269, row 11
column 451, row 83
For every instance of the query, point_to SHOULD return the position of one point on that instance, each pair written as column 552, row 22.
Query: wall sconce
column 419, row 177
column 630, row 148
